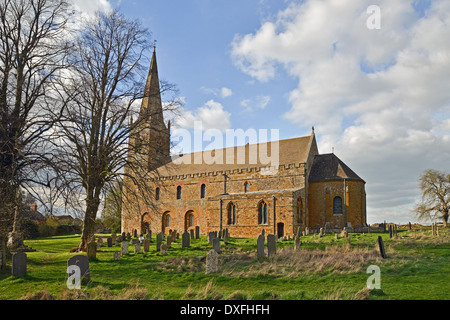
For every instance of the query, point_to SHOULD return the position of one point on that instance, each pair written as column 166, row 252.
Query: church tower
column 151, row 141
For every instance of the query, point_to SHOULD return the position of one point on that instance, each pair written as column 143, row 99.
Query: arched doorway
column 145, row 223
column 189, row 220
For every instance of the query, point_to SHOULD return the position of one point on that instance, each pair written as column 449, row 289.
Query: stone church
column 304, row 189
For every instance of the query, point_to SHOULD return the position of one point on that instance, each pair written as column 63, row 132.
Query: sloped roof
column 330, row 167
column 290, row 151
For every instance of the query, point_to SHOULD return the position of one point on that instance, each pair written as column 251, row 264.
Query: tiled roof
column 330, row 167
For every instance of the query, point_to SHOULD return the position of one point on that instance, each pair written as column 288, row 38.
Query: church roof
column 330, row 167
column 290, row 151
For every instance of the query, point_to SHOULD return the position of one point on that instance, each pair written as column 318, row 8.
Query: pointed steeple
column 151, row 106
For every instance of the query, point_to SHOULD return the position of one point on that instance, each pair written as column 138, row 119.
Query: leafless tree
column 33, row 50
column 435, row 186
column 106, row 80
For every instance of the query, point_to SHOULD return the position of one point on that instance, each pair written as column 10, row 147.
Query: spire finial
column 154, row 44
column 313, row 130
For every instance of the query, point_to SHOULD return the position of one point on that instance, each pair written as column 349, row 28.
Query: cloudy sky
column 378, row 97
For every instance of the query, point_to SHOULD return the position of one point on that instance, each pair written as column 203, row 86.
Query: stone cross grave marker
column 260, row 246
column 271, row 245
column 212, row 262
column 83, row 263
column 19, row 264
column 185, row 240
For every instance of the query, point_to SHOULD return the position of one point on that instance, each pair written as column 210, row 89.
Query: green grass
column 417, row 267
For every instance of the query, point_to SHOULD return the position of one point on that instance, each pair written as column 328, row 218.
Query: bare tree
column 435, row 186
column 33, row 49
column 106, row 80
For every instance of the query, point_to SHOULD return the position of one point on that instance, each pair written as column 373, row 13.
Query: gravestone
column 297, row 243
column 212, row 262
column 271, row 245
column 192, row 233
column 133, row 241
column 91, row 250
column 83, row 263
column 124, row 247
column 169, row 242
column 135, row 233
column 409, row 225
column 163, row 249
column 185, row 240
column 146, row 245
column 128, row 236
column 113, row 238
column 210, row 237
column 381, row 247
column 116, row 256
column 344, row 233
column 124, row 236
column 159, row 240
column 306, row 231
column 19, row 264
column 216, row 244
column 260, row 246
column 137, row 248
column 321, row 232
column 225, row 237
column 99, row 242
column 109, row 241
column 197, row 232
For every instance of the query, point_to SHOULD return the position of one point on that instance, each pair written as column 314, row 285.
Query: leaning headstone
column 212, row 262
column 83, row 263
column 381, row 247
column 116, row 256
column 185, row 240
column 260, row 246
column 19, row 264
column 197, row 232
column 124, row 247
column 91, row 250
column 163, row 249
column 109, row 241
column 216, row 244
column 271, row 245
column 159, row 240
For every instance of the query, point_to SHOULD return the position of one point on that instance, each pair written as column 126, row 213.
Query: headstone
column 216, row 244
column 124, row 247
column 113, row 238
column 128, row 236
column 169, row 242
column 260, row 246
column 212, row 262
column 263, row 232
column 210, row 237
column 271, row 245
column 344, row 233
column 306, row 231
column 297, row 243
column 124, row 236
column 163, row 249
column 185, row 240
column 381, row 247
column 91, row 250
column 137, row 248
column 19, row 264
column 109, row 241
column 134, row 241
column 146, row 245
column 135, row 233
column 83, row 263
column 197, row 232
column 116, row 256
column 159, row 240
column 321, row 232
column 192, row 233
column 225, row 237
column 99, row 242
column 409, row 225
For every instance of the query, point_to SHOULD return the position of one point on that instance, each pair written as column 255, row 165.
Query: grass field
column 417, row 267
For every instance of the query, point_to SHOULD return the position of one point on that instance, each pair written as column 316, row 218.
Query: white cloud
column 379, row 97
column 226, row 92
column 211, row 115
column 260, row 102
column 223, row 92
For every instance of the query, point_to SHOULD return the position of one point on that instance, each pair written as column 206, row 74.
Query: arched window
column 191, row 220
column 203, row 191
column 157, row 193
column 299, row 210
column 168, row 220
column 179, row 192
column 231, row 213
column 337, row 205
column 246, row 187
column 262, row 213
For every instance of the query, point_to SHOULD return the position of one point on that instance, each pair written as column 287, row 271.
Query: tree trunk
column 445, row 219
column 88, row 231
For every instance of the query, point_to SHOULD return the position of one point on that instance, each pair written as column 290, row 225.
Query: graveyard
column 315, row 266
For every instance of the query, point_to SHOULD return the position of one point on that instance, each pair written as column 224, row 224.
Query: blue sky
column 379, row 97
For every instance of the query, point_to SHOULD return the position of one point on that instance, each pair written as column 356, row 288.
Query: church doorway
column 280, row 229
column 189, row 220
column 166, row 221
column 145, row 223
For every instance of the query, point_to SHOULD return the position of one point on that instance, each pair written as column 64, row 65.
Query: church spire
column 151, row 103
